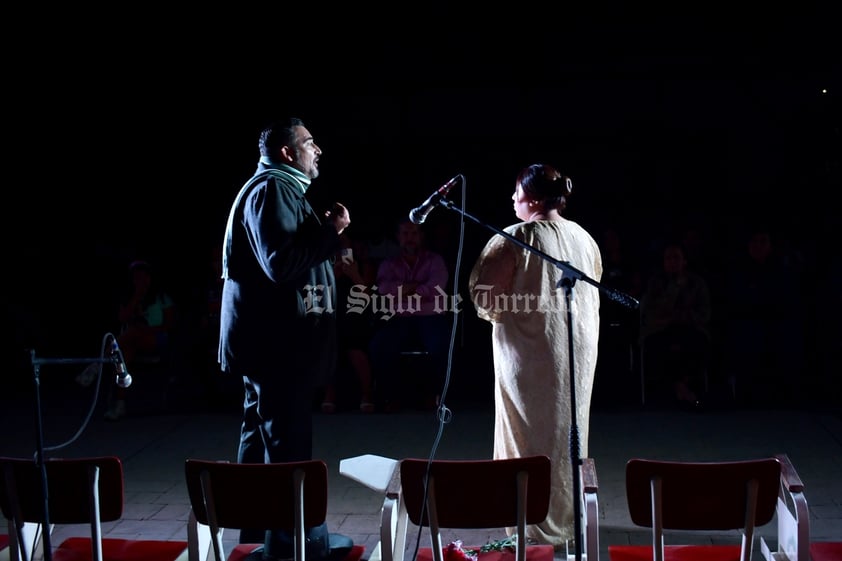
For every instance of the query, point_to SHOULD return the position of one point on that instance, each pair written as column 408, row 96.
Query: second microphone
column 419, row 214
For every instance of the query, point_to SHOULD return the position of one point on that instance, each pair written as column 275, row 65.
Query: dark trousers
column 277, row 426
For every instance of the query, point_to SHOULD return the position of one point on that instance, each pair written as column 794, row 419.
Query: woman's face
column 523, row 209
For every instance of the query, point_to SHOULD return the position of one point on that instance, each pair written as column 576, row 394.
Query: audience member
column 147, row 317
column 695, row 242
column 675, row 314
column 619, row 324
column 763, row 330
column 355, row 277
column 412, row 288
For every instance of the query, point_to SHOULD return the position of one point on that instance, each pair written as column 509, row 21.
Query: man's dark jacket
column 278, row 298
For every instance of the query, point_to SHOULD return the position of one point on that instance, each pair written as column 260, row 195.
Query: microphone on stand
column 419, row 214
column 124, row 379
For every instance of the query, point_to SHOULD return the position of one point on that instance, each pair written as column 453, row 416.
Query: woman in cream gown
column 520, row 294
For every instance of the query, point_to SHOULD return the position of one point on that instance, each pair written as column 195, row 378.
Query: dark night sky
column 135, row 139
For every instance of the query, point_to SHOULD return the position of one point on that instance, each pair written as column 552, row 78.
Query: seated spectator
column 412, row 290
column 147, row 317
column 675, row 313
column 354, row 271
column 764, row 331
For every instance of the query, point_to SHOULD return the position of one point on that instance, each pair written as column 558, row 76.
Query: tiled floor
column 154, row 444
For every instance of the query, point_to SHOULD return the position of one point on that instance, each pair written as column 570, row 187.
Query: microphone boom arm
column 569, row 272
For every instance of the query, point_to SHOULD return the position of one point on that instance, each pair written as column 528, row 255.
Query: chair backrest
column 293, row 496
column 476, row 494
column 462, row 491
column 226, row 491
column 702, row 496
column 86, row 491
column 80, row 490
column 69, row 487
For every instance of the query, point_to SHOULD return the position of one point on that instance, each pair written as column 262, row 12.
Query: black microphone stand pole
column 39, row 439
column 569, row 277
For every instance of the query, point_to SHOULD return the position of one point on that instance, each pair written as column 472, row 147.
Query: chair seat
column 825, row 551
column 533, row 553
column 4, row 547
column 675, row 553
column 243, row 550
column 117, row 549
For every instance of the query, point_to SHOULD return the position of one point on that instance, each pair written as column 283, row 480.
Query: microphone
column 124, row 379
column 419, row 215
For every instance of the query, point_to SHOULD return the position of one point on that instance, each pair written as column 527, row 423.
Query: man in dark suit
column 277, row 317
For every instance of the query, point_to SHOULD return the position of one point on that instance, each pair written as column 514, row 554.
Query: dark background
column 130, row 133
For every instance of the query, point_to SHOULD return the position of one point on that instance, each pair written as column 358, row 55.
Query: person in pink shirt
column 412, row 293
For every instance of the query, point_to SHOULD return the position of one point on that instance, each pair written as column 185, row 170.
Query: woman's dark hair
column 543, row 183
column 278, row 134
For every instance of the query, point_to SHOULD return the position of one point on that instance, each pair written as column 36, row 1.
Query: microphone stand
column 569, row 277
column 39, row 438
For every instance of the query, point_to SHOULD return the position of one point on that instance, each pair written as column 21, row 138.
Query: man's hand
column 339, row 217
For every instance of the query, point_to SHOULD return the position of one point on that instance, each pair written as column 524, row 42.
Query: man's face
column 305, row 153
column 674, row 261
column 409, row 237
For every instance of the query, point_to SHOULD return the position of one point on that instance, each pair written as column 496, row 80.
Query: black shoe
column 340, row 546
column 320, row 545
column 259, row 555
